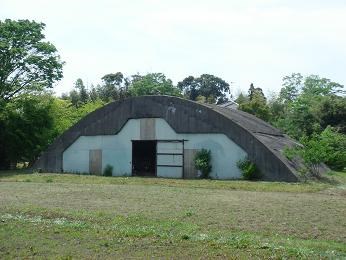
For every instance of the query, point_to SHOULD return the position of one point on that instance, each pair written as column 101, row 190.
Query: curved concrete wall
column 263, row 143
column 117, row 150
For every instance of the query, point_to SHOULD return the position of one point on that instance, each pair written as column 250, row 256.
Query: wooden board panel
column 170, row 147
column 95, row 162
column 147, row 129
column 190, row 171
column 170, row 172
column 169, row 159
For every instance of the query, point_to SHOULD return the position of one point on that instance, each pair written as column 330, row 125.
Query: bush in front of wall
column 108, row 171
column 248, row 169
column 203, row 163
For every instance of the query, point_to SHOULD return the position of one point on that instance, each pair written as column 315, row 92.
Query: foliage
column 108, row 171
column 28, row 66
column 327, row 147
column 331, row 110
column 242, row 98
column 115, row 86
column 189, row 87
column 65, row 114
column 335, row 145
column 212, row 88
column 256, row 103
column 248, row 169
column 30, row 123
column 25, row 128
column 308, row 105
column 203, row 162
column 152, row 84
column 27, row 62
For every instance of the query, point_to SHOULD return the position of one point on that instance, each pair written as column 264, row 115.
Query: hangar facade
column 160, row 135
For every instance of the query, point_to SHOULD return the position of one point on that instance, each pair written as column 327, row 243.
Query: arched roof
column 263, row 143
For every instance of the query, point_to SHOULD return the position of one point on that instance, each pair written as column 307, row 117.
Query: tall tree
column 27, row 62
column 256, row 103
column 93, row 94
column 83, row 93
column 190, row 88
column 28, row 65
column 152, row 84
column 291, row 87
column 25, row 129
column 309, row 105
column 206, row 87
column 113, row 87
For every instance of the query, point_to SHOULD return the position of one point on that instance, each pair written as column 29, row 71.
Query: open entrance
column 144, row 158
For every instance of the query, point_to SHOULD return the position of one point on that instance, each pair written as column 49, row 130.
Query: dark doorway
column 144, row 158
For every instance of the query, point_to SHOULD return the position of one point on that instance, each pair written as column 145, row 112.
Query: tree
column 27, row 62
column 83, row 94
column 292, row 85
column 314, row 85
column 256, row 104
column 241, row 98
column 28, row 66
column 189, row 87
column 25, row 131
column 213, row 89
column 152, row 84
column 114, row 86
column 309, row 105
column 332, row 111
column 74, row 97
column 251, row 91
column 327, row 147
column 114, row 79
column 93, row 94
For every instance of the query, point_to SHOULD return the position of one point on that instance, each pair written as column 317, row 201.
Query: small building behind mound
column 160, row 135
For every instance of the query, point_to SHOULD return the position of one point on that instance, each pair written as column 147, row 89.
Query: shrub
column 108, row 171
column 202, row 162
column 335, row 144
column 248, row 169
column 327, row 147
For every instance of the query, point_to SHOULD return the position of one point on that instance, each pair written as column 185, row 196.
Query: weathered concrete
column 263, row 143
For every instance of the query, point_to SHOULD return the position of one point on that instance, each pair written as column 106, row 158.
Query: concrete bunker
column 159, row 136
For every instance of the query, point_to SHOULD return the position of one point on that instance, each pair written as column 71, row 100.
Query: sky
column 243, row 42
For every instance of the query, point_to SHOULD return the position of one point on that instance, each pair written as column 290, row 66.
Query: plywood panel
column 147, row 129
column 190, row 171
column 169, row 147
column 95, row 161
column 170, row 172
column 170, row 159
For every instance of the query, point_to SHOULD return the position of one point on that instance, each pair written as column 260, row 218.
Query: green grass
column 334, row 178
column 71, row 216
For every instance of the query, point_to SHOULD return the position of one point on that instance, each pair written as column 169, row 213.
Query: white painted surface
column 117, row 150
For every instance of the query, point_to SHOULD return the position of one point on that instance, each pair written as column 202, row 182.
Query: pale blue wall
column 117, row 150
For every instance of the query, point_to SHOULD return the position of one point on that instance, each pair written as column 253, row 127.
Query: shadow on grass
column 8, row 173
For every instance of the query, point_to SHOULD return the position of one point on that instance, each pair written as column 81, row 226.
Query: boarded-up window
column 147, row 129
column 95, row 162
column 190, row 171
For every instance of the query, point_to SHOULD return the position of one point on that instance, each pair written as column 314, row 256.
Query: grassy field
column 71, row 216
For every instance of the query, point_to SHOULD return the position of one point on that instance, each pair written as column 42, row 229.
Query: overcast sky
column 246, row 41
